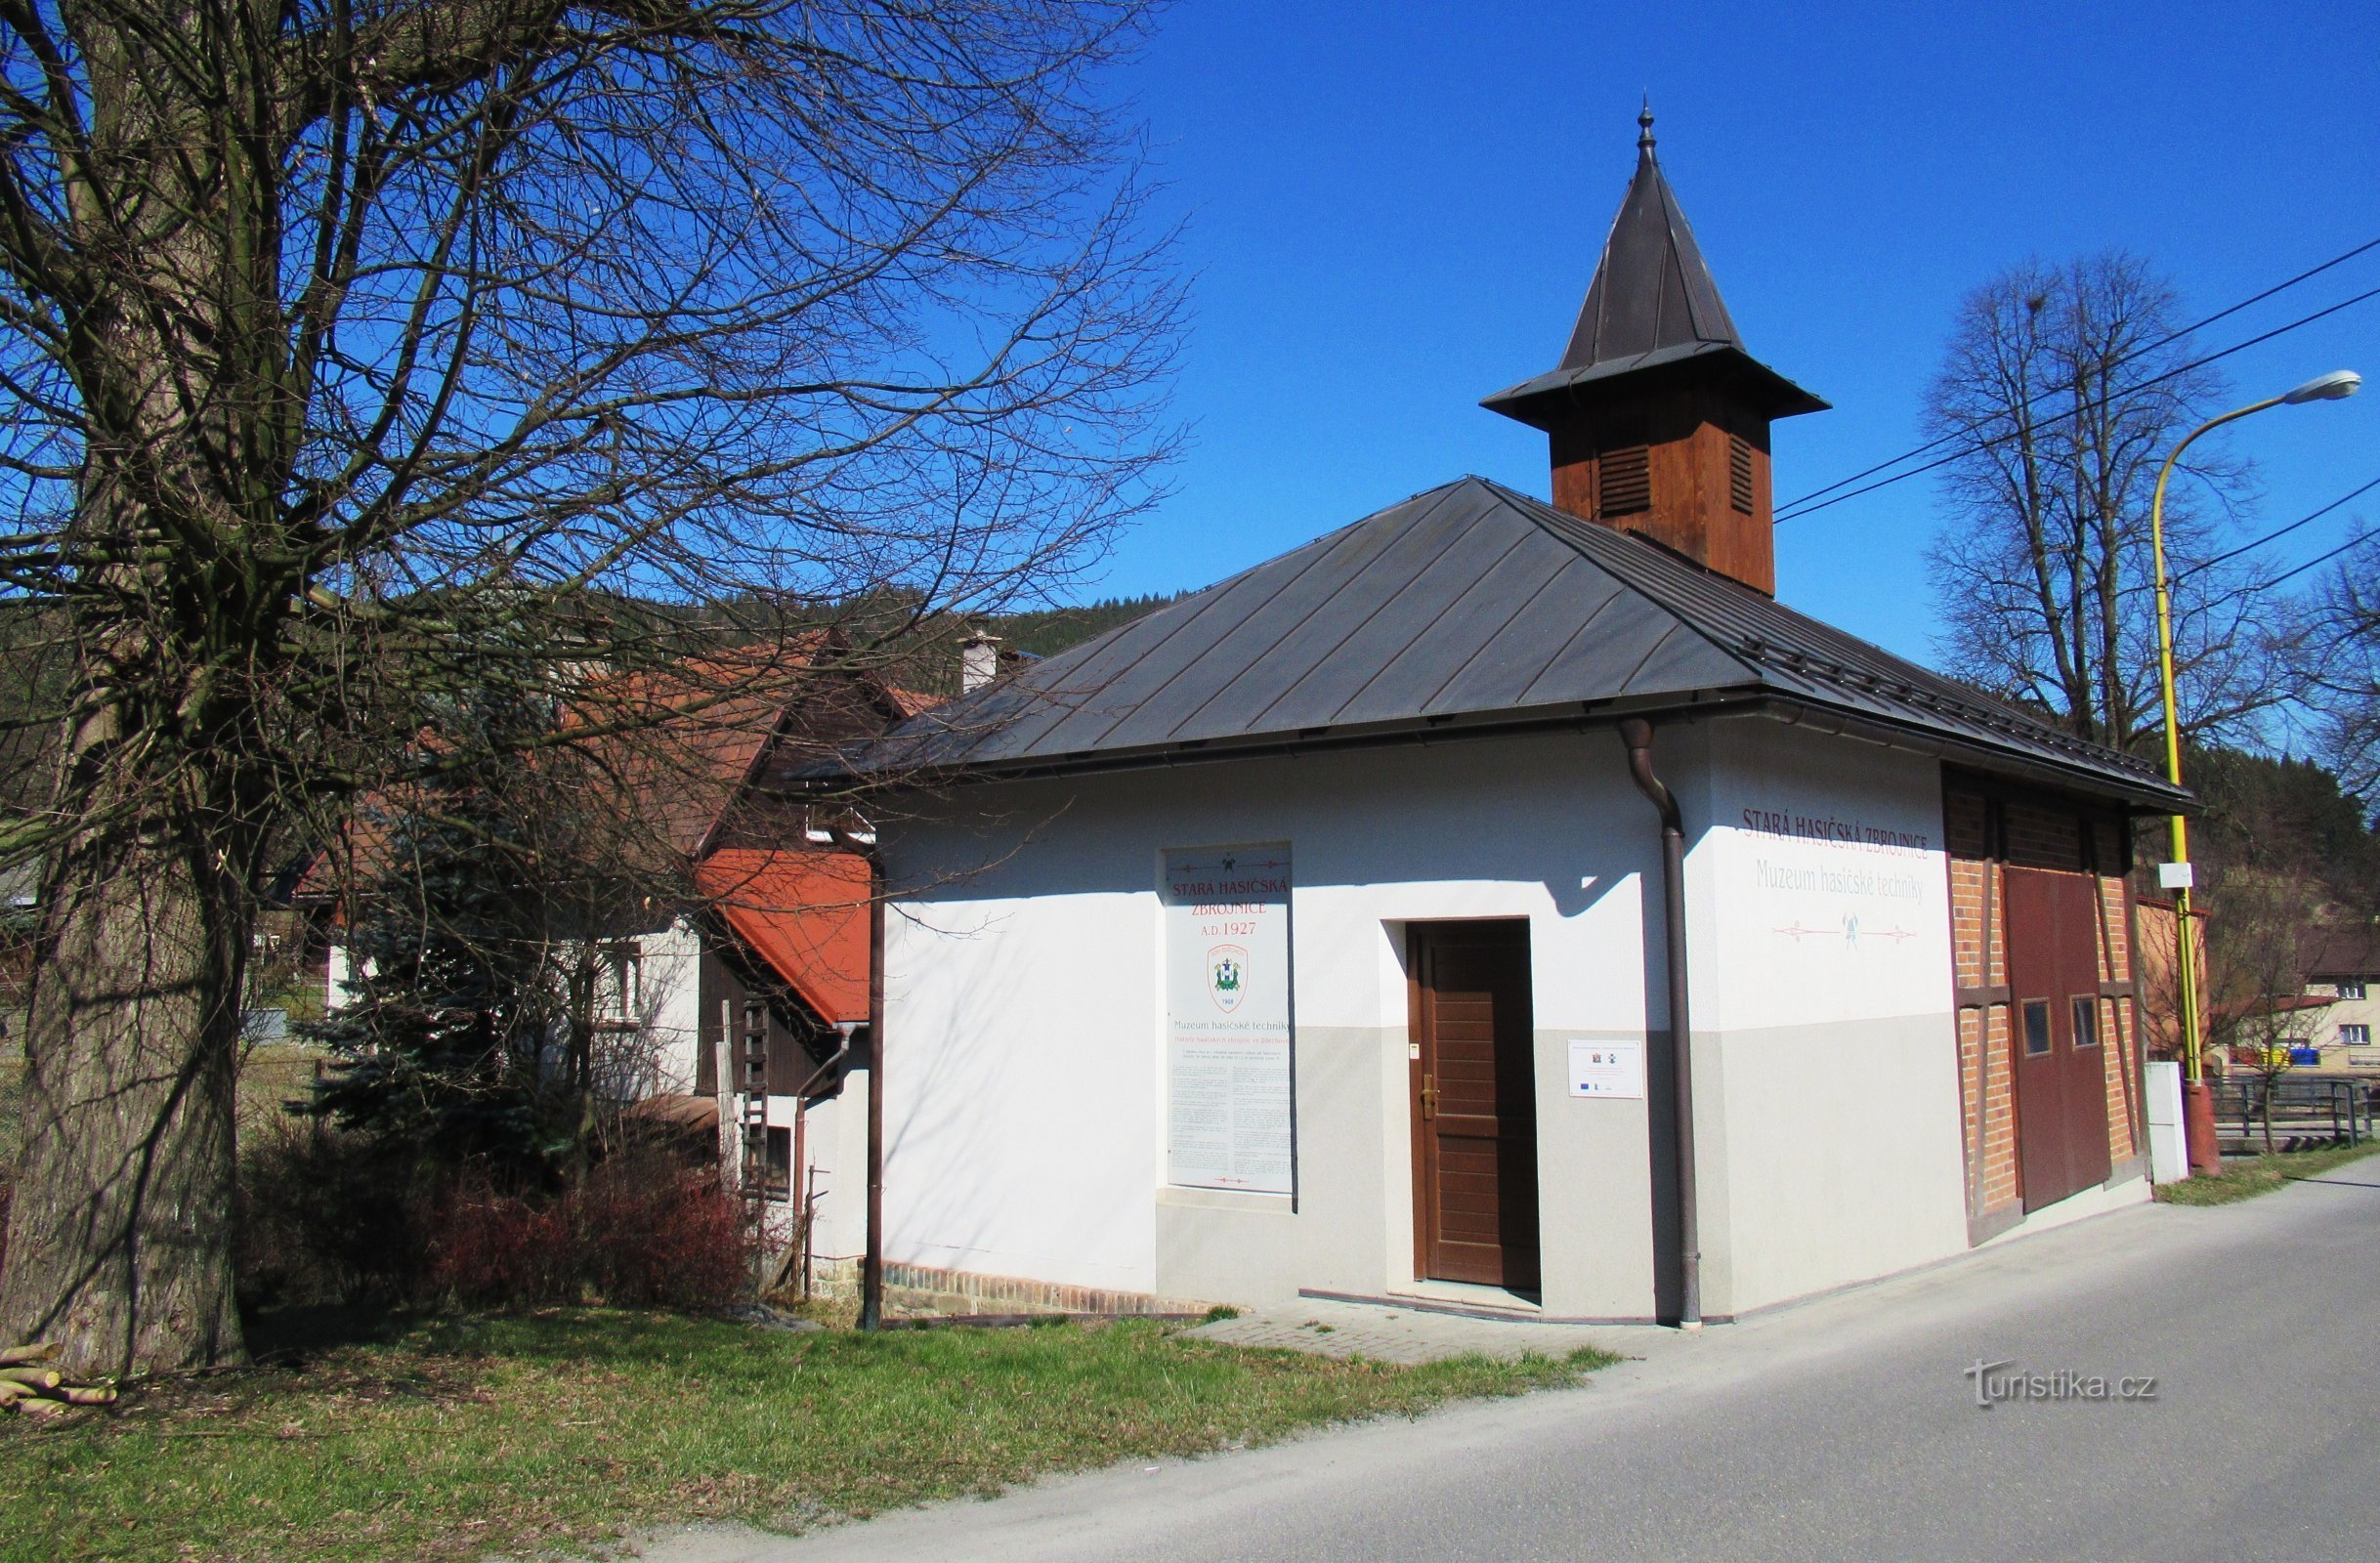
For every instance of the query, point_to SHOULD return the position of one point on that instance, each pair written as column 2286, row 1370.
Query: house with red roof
column 732, row 991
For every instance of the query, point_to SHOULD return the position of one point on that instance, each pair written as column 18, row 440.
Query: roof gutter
column 2157, row 798
column 1638, row 735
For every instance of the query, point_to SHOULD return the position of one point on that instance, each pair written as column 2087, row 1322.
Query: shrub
column 638, row 1232
column 325, row 1218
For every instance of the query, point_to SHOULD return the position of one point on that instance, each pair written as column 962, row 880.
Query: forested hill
column 1052, row 630
column 2281, row 817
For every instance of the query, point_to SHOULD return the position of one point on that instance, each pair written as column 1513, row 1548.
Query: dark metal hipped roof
column 1653, row 302
column 1468, row 609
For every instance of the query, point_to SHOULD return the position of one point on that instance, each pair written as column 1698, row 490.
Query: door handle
column 1430, row 1097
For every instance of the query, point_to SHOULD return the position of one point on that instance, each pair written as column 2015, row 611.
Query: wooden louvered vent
column 1625, row 487
column 1739, row 474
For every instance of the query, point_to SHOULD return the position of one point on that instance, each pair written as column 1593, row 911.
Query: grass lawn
column 2245, row 1179
column 449, row 1439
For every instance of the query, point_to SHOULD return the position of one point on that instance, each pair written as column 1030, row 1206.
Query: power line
column 2200, row 325
column 2303, row 320
column 2324, row 559
column 2279, row 533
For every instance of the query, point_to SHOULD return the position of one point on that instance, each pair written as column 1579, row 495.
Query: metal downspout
column 1638, row 735
column 872, row 1266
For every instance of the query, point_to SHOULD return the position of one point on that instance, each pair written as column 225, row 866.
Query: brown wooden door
column 2062, row 1085
column 1475, row 1104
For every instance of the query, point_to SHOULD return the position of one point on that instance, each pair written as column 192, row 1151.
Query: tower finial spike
column 1644, row 138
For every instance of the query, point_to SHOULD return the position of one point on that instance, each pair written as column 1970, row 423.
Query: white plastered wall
column 338, row 978
column 1826, row 1060
column 837, row 1147
column 669, row 1002
column 1025, row 1016
column 1026, row 1011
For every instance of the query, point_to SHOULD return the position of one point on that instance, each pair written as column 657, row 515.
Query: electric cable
column 2200, row 325
column 2278, row 533
column 1816, row 501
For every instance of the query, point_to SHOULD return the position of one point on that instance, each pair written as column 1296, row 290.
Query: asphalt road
column 1843, row 1428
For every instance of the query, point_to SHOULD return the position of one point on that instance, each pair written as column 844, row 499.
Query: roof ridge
column 1749, row 646
column 1391, row 627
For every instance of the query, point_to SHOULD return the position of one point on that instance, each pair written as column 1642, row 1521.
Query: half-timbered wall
column 1989, row 830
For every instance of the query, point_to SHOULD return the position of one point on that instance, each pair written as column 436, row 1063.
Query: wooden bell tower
column 1657, row 418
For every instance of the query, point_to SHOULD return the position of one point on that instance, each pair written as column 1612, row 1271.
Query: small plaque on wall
column 1607, row 1068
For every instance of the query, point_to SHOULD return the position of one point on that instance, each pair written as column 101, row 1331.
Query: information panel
column 1228, row 1102
column 1607, row 1068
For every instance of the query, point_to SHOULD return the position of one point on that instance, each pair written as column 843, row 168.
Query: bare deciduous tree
column 2065, row 386
column 2254, row 978
column 2339, row 664
column 355, row 347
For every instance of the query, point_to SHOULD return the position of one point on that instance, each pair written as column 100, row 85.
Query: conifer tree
column 446, row 1049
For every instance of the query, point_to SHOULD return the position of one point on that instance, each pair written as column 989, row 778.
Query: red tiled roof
column 803, row 912
column 2342, row 950
column 694, row 731
column 690, row 738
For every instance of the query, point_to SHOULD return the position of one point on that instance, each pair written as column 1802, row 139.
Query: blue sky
column 1395, row 209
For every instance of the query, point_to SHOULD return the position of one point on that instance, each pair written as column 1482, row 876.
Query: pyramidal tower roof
column 1652, row 288
column 1653, row 304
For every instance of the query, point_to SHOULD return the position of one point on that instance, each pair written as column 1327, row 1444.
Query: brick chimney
column 1657, row 418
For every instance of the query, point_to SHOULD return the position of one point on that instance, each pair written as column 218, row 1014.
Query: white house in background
column 2342, row 964
column 764, row 971
column 1313, row 935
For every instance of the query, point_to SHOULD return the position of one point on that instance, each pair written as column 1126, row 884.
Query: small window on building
column 1625, row 482
column 2086, row 1022
column 2036, row 1027
column 771, row 1161
column 618, row 981
column 1739, row 474
column 2354, row 1036
column 2351, row 988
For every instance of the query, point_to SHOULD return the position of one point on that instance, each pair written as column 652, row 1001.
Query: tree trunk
column 119, row 1236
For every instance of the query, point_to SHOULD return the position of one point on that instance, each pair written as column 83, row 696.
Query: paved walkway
column 1387, row 1333
column 1843, row 1428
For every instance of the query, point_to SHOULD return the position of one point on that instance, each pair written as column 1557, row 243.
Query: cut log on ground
column 42, row 1393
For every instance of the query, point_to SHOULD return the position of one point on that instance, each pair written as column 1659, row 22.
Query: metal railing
column 2318, row 1106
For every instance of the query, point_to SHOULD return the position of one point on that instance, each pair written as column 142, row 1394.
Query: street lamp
column 2198, row 1115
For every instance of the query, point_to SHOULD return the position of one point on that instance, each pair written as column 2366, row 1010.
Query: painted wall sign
column 1607, row 1068
column 1829, row 887
column 1229, row 1064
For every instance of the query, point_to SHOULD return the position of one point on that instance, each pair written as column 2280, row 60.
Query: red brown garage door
column 2062, row 1088
column 1475, row 1104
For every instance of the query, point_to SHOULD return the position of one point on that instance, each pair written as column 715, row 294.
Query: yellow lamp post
column 2198, row 1116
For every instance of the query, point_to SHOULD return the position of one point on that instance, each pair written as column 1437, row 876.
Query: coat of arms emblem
column 1226, row 976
